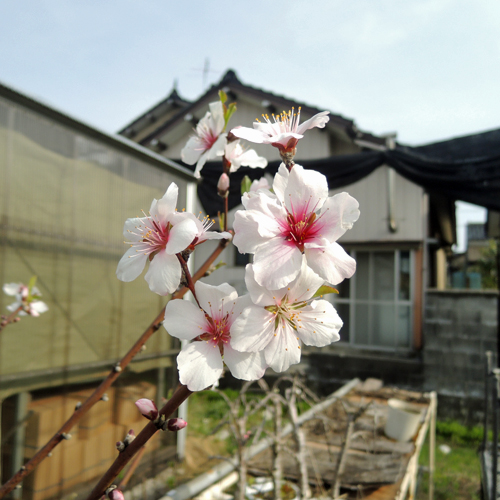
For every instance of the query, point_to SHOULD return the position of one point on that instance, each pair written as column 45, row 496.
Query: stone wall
column 459, row 327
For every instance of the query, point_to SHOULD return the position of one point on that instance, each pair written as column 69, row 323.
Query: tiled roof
column 230, row 82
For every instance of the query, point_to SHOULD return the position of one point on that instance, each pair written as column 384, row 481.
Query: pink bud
column 129, row 437
column 116, row 494
column 176, row 424
column 147, row 408
column 223, row 185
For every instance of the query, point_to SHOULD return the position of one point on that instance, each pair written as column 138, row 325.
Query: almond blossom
column 200, row 363
column 209, row 140
column 280, row 320
column 26, row 299
column 282, row 131
column 238, row 157
column 299, row 219
column 157, row 238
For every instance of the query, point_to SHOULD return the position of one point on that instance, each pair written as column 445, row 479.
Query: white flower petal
column 131, row 265
column 11, row 288
column 214, row 235
column 260, row 296
column 306, row 191
column 245, row 365
column 164, row 273
column 192, row 151
column 217, row 115
column 283, row 350
column 331, row 262
column 305, row 285
column 166, row 205
column 339, row 213
column 252, row 330
column 184, row 320
column 318, row 120
column 12, row 307
column 276, row 264
column 320, row 324
column 212, row 298
column 181, row 236
column 200, row 365
column 280, row 182
column 248, row 158
column 217, row 149
column 250, row 134
column 39, row 307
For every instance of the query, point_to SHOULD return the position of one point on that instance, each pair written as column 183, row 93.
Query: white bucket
column 403, row 420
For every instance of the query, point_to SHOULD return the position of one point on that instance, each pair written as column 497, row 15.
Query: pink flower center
column 217, row 332
column 154, row 236
column 208, row 138
column 301, row 228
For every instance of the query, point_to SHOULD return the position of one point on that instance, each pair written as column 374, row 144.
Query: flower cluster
column 27, row 296
column 159, row 237
column 292, row 232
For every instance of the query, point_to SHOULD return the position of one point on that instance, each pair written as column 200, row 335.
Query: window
column 376, row 303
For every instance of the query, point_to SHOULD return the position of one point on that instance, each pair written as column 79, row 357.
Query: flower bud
column 129, row 437
column 176, row 424
column 147, row 408
column 115, row 494
column 223, row 185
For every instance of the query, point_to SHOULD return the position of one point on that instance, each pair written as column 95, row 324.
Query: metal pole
column 494, row 448
column 489, row 368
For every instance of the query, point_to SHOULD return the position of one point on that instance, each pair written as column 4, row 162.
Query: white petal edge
column 200, row 365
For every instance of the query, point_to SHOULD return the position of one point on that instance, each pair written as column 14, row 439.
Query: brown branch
column 131, row 469
column 179, row 396
column 10, row 318
column 107, row 382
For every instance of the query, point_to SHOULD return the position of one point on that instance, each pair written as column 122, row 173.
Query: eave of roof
column 230, row 82
column 172, row 98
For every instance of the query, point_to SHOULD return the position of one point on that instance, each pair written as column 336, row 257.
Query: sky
column 426, row 69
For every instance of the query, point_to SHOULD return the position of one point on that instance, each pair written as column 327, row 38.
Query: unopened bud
column 176, row 424
column 16, row 320
column 104, row 397
column 78, row 405
column 129, row 437
column 120, row 446
column 147, row 408
column 223, row 185
column 114, row 493
column 117, row 368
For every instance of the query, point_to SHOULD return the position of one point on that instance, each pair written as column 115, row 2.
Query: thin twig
column 131, row 469
column 104, row 386
column 179, row 396
column 10, row 318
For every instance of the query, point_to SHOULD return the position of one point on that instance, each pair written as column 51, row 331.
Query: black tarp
column 466, row 168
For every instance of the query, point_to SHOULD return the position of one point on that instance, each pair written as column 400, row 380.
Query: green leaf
column 221, row 219
column 246, row 183
column 220, row 264
column 229, row 112
column 325, row 290
column 222, row 96
column 31, row 283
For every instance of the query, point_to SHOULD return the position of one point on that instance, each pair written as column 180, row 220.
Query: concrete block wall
column 459, row 327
